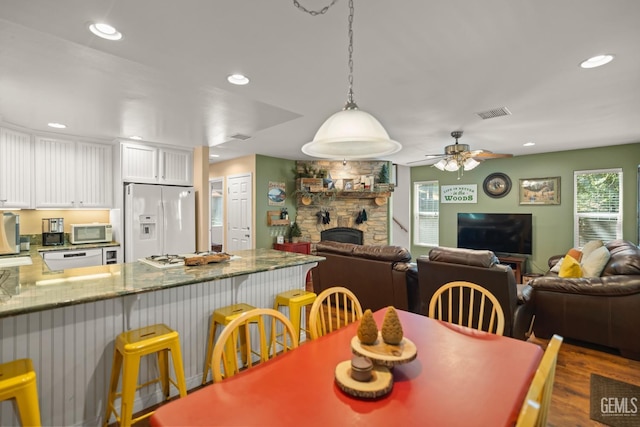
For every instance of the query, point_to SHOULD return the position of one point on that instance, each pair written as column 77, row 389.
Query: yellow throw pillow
column 570, row 267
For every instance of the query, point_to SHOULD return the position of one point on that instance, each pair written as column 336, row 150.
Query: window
column 426, row 198
column 597, row 205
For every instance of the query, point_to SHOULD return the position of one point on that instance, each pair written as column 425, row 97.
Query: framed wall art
column 540, row 191
column 497, row 185
column 277, row 193
column 348, row 185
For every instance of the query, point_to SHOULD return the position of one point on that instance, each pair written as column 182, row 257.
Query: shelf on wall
column 276, row 221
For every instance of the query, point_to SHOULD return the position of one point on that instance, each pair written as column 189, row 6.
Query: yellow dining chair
column 476, row 307
column 262, row 323
column 333, row 308
column 535, row 408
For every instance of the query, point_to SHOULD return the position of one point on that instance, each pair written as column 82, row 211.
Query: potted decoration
column 383, row 175
column 295, row 233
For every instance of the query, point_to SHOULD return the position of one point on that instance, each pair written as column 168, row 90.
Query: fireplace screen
column 342, row 234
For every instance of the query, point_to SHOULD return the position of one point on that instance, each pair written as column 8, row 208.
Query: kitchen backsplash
column 31, row 219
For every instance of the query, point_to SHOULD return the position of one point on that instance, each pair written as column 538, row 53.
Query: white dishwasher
column 62, row 260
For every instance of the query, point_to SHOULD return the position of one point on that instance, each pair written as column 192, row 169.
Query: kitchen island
column 67, row 321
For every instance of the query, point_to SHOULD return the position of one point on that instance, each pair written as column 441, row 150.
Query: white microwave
column 90, row 233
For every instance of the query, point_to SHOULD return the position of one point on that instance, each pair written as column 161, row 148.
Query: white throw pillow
column 556, row 268
column 590, row 247
column 593, row 264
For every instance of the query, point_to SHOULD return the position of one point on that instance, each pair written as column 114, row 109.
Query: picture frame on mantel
column 540, row 191
column 348, row 185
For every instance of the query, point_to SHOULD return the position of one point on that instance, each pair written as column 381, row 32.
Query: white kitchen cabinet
column 55, row 173
column 16, row 169
column 94, row 175
column 176, row 167
column 139, row 163
column 72, row 174
column 151, row 164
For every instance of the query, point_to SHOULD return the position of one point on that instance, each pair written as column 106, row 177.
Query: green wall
column 552, row 225
column 278, row 170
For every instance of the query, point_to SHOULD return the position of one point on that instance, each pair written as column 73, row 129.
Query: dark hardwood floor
column 576, row 362
column 570, row 401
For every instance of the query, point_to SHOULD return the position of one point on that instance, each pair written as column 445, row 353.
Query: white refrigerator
column 158, row 220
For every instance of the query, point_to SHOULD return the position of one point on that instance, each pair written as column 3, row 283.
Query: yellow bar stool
column 18, row 381
column 222, row 317
column 130, row 347
column 296, row 300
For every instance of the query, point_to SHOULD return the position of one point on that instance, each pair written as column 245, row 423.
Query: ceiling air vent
column 239, row 136
column 496, row 112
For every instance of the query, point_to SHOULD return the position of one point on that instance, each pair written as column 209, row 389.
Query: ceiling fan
column 458, row 157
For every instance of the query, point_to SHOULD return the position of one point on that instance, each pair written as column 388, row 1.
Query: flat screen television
column 498, row 232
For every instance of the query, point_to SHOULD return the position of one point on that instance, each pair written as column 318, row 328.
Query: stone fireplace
column 365, row 210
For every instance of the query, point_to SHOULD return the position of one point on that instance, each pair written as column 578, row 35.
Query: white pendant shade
column 351, row 134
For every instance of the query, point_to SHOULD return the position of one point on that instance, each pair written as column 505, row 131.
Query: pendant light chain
column 350, row 105
column 313, row 12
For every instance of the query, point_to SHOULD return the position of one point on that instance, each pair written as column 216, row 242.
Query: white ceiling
column 423, row 68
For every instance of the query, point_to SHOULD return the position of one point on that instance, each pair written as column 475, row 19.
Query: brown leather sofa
column 375, row 274
column 444, row 265
column 602, row 310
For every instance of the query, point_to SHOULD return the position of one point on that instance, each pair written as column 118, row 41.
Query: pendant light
column 350, row 133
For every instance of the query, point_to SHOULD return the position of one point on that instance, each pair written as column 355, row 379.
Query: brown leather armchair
column 602, row 310
column 376, row 274
column 444, row 265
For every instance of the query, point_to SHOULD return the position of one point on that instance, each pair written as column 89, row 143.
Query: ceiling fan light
column 470, row 164
column 440, row 164
column 451, row 165
column 351, row 134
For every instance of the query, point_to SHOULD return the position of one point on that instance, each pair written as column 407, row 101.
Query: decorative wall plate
column 497, row 185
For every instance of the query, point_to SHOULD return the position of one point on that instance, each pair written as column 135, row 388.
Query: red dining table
column 461, row 377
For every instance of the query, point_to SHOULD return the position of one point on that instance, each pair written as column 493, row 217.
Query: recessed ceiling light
column 105, row 31
column 213, row 156
column 596, row 61
column 238, row 79
column 136, row 137
column 529, row 144
column 56, row 125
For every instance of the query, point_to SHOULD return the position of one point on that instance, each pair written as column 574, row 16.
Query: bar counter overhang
column 66, row 322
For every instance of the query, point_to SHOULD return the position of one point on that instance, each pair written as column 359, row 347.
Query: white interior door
column 239, row 214
column 216, row 213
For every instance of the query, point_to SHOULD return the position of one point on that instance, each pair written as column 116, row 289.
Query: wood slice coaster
column 381, row 381
column 384, row 354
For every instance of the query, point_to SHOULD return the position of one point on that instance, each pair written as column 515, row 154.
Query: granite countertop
column 35, row 287
column 68, row 247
